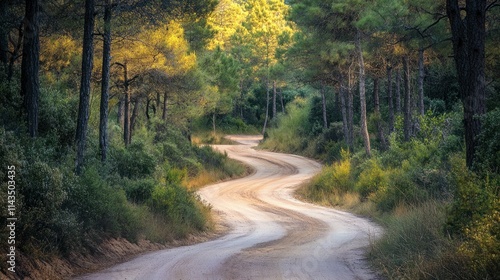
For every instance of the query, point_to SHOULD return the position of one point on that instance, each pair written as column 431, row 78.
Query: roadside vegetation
column 440, row 218
column 105, row 108
column 143, row 191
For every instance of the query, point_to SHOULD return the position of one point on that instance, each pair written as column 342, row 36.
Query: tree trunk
column 121, row 111
column 30, row 84
column 468, row 38
column 380, row 128
column 133, row 118
column 267, row 110
column 407, row 99
column 165, row 106
column 350, row 109
column 83, row 109
column 106, row 59
column 390, row 100
column 148, row 103
column 4, row 32
column 282, row 102
column 362, row 97
column 158, row 98
column 421, row 76
column 274, row 100
column 398, row 91
column 343, row 102
column 126, row 110
column 323, row 106
column 213, row 123
column 15, row 54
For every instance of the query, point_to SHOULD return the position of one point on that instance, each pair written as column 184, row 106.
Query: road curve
column 272, row 235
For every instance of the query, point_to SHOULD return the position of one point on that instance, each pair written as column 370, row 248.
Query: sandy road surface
column 272, row 235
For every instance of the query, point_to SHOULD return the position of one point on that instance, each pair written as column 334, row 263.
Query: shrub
column 101, row 208
column 473, row 197
column 334, row 180
column 138, row 191
column 371, row 179
column 482, row 243
column 488, row 155
column 177, row 205
column 41, row 193
column 133, row 161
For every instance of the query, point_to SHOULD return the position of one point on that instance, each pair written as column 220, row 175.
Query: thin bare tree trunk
column 165, row 106
column 343, row 102
column 323, row 106
column 398, row 91
column 267, row 110
column 106, row 62
column 362, row 97
column 126, row 110
column 274, row 100
column 350, row 108
column 407, row 99
column 421, row 76
column 121, row 111
column 380, row 128
column 133, row 118
column 390, row 99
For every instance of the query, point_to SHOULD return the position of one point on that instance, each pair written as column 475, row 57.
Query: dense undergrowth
column 142, row 191
column 441, row 220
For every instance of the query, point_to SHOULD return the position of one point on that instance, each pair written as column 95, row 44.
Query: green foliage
column 134, row 161
column 101, row 208
column 58, row 113
column 489, row 148
column 292, row 128
column 473, row 197
column 138, row 191
column 177, row 205
column 482, row 243
column 372, row 179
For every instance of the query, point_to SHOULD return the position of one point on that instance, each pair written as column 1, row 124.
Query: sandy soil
column 271, row 234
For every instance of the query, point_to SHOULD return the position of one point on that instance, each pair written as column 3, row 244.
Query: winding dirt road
column 272, row 235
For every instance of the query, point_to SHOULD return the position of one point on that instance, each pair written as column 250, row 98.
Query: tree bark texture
column 4, row 42
column 390, row 100
column 380, row 128
column 15, row 54
column 126, row 110
column 362, row 97
column 398, row 91
column 323, row 107
column 407, row 99
column 30, row 84
column 106, row 64
column 267, row 110
column 165, row 106
column 274, row 100
column 120, row 112
column 421, row 76
column 343, row 103
column 83, row 109
column 468, row 39
column 133, row 118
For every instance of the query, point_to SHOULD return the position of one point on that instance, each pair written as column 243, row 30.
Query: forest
column 105, row 106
